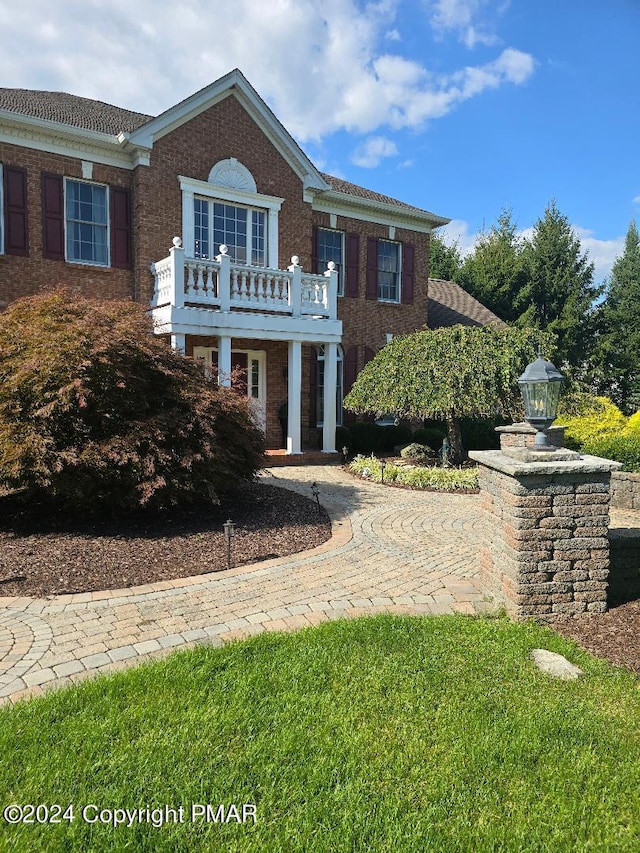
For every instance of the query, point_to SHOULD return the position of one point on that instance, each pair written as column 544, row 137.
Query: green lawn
column 380, row 734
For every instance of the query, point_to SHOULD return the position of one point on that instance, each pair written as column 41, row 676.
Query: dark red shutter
column 52, row 217
column 353, row 258
column 372, row 268
column 16, row 238
column 407, row 273
column 120, row 227
column 313, row 387
column 315, row 264
column 368, row 354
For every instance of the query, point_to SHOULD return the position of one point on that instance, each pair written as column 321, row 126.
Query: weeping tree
column 448, row 374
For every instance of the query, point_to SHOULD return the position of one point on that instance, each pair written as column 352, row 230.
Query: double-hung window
column 330, row 247
column 86, row 222
column 389, row 266
column 242, row 229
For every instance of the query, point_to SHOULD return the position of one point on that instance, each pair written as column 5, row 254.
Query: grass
column 418, row 476
column 379, row 734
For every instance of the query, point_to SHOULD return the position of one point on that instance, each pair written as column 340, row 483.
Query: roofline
column 68, row 140
column 333, row 201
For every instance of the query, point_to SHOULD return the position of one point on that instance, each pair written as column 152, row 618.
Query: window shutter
column 372, row 268
column 353, row 258
column 120, row 227
column 16, row 241
column 52, row 217
column 314, row 251
column 368, row 354
column 313, row 387
column 407, row 273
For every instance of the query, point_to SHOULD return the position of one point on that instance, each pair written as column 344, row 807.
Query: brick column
column 547, row 545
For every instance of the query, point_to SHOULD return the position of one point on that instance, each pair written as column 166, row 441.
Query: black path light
column 540, row 385
column 383, row 465
column 315, row 491
column 229, row 532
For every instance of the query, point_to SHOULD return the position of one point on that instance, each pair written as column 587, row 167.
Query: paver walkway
column 391, row 549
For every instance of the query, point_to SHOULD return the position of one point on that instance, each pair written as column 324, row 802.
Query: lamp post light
column 383, row 465
column 540, row 385
column 315, row 491
column 345, row 454
column 229, row 532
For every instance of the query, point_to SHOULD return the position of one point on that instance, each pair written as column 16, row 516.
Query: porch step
column 280, row 458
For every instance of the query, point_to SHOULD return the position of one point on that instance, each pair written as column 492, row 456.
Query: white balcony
column 202, row 297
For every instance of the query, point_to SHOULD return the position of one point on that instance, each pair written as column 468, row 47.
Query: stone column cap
column 585, row 464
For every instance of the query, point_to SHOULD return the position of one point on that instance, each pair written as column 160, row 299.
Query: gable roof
column 450, row 305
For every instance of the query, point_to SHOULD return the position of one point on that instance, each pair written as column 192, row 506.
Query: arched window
column 320, row 387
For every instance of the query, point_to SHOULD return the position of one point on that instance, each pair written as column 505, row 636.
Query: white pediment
column 232, row 175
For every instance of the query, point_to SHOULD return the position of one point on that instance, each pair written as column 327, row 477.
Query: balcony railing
column 226, row 286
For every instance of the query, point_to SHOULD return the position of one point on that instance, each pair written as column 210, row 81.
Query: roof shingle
column 450, row 305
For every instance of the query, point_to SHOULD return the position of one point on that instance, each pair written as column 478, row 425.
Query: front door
column 250, row 379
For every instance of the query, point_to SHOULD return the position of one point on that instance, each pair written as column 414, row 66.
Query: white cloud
column 373, row 151
column 636, row 200
column 323, row 65
column 602, row 253
column 457, row 231
column 467, row 19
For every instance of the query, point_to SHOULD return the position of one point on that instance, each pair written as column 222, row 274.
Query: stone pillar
column 547, row 545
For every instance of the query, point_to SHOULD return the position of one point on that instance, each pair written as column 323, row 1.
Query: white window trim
column 190, row 188
column 1, row 209
column 64, row 203
column 399, row 299
column 249, row 246
column 343, row 270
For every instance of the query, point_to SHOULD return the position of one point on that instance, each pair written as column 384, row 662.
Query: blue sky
column 462, row 107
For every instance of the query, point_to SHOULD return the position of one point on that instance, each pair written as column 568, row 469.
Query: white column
column 176, row 253
column 224, row 279
column 272, row 237
column 224, row 360
column 295, row 389
column 178, row 343
column 329, row 421
column 295, row 287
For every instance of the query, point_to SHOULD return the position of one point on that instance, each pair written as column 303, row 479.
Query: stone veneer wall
column 547, row 545
column 625, row 490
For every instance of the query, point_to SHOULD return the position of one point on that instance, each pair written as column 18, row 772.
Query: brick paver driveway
column 391, row 549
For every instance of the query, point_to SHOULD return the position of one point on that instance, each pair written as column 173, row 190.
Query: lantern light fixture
column 540, row 385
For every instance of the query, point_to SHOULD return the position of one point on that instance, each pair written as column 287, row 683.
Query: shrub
column 396, row 435
column 480, row 433
column 590, row 418
column 633, row 425
column 623, row 448
column 96, row 410
column 417, row 452
column 438, row 479
column 429, row 436
column 367, row 437
column 343, row 438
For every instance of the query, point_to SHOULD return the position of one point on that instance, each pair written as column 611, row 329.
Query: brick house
column 294, row 276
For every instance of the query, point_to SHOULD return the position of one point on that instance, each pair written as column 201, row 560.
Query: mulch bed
column 614, row 635
column 45, row 553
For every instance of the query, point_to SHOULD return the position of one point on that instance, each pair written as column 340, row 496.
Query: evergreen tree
column 445, row 261
column 560, row 292
column 495, row 273
column 620, row 343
